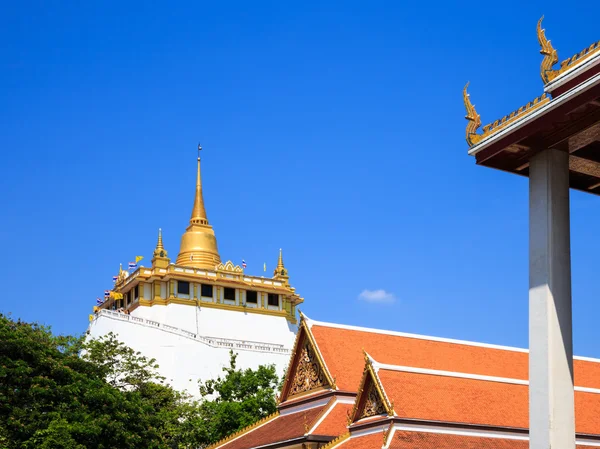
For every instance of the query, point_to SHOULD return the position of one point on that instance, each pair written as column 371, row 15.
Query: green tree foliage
column 236, row 400
column 62, row 392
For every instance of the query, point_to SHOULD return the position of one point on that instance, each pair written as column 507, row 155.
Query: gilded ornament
column 550, row 55
column 473, row 118
column 522, row 111
column 373, row 405
column 309, row 374
column 475, row 121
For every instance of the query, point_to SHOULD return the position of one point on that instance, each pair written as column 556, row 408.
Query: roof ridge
column 432, row 338
column 244, row 430
column 461, row 375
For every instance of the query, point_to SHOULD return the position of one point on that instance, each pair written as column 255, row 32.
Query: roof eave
column 553, row 104
column 572, row 73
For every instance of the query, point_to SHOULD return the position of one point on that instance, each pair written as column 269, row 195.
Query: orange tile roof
column 423, row 440
column 283, row 427
column 334, row 423
column 342, row 351
column 472, row 401
column 372, row 440
column 426, row 440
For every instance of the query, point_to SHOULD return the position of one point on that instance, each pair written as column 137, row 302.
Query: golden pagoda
column 199, row 277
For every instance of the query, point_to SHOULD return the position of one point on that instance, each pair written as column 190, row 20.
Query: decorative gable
column 371, row 399
column 307, row 371
column 309, row 374
column 374, row 404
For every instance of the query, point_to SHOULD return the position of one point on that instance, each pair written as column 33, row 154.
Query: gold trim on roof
column 475, row 122
column 551, row 56
column 375, row 390
column 243, row 431
column 343, row 437
column 309, row 372
column 522, row 111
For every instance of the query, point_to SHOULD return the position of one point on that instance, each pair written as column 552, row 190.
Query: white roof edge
column 432, row 338
column 467, row 432
column 482, row 377
column 571, row 73
column 553, row 104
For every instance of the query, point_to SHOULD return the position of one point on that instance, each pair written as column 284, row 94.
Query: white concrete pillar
column 551, row 401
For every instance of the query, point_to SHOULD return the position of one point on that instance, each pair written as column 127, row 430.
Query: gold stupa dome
column 199, row 244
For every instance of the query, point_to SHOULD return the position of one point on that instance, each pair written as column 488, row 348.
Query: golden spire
column 199, row 212
column 159, row 244
column 160, row 259
column 280, row 272
column 550, row 55
column 198, row 244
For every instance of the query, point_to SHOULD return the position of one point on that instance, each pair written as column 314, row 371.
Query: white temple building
column 188, row 315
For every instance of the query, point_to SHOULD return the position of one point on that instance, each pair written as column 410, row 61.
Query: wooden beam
column 584, row 166
column 584, row 138
column 561, row 137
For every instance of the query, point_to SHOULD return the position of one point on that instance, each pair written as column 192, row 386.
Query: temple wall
column 223, row 323
column 183, row 361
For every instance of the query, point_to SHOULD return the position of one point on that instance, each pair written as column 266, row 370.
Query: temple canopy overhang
column 565, row 117
column 554, row 140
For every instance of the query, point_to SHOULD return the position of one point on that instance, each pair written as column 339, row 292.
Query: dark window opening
column 183, row 288
column 273, row 299
column 136, row 292
column 229, row 293
column 206, row 291
column 251, row 297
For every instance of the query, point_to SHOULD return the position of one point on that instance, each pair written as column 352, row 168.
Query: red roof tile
column 342, row 351
column 422, row 440
column 372, row 440
column 426, row 440
column 283, row 427
column 334, row 423
column 460, row 400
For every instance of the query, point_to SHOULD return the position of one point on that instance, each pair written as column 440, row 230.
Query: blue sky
column 334, row 130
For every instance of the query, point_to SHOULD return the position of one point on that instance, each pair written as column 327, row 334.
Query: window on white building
column 273, row 299
column 183, row 288
column 206, row 290
column 251, row 297
column 229, row 293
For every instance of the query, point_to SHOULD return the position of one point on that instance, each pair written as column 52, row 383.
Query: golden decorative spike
column 473, row 118
column 198, row 211
column 280, row 271
column 159, row 244
column 550, row 55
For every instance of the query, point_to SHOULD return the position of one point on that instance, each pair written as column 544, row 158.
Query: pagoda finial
column 199, row 212
column 160, row 257
column 198, row 244
column 550, row 54
column 160, row 251
column 473, row 118
column 159, row 244
column 280, row 271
